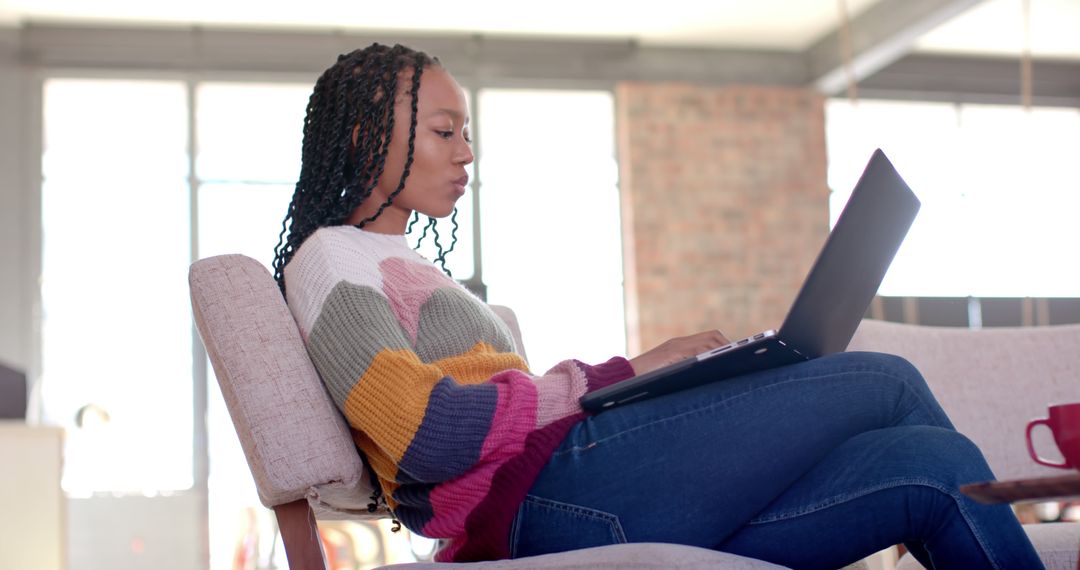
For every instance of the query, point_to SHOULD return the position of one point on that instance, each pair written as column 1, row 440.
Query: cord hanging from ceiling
column 848, row 52
column 1025, row 58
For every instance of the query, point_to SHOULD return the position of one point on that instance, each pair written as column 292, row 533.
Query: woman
column 812, row 466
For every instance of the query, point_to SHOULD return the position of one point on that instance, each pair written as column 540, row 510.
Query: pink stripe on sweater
column 488, row 526
column 408, row 286
column 514, row 419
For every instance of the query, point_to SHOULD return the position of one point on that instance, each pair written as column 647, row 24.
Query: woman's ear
column 355, row 134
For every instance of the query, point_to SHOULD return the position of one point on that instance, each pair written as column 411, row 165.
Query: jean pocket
column 543, row 526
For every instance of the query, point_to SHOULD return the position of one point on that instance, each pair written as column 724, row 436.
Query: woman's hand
column 677, row 349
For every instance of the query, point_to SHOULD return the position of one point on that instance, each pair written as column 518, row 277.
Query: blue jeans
column 814, row 465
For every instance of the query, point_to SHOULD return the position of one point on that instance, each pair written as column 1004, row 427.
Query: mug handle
column 1031, row 448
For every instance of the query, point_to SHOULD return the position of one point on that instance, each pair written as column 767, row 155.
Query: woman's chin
column 439, row 213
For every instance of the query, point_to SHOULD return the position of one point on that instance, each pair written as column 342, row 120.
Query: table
column 1024, row 490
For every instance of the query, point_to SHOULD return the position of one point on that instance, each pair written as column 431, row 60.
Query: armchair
column 297, row 444
column 991, row 382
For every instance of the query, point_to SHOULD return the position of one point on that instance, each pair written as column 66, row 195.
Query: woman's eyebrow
column 453, row 113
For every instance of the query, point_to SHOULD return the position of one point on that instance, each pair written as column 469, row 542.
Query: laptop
column 829, row 307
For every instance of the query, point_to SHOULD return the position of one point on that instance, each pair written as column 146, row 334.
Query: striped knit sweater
column 448, row 415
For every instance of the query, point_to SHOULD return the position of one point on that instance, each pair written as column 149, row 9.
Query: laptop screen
column 853, row 261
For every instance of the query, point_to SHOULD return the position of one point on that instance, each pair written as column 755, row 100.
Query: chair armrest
column 507, row 315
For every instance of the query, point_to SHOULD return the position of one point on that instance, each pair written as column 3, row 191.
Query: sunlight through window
column 997, row 185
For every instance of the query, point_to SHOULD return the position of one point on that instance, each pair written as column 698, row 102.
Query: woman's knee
column 887, row 363
column 891, row 366
column 942, row 455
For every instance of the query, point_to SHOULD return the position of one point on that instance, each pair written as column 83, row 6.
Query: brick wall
column 725, row 205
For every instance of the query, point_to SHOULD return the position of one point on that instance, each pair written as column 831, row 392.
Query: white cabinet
column 32, row 527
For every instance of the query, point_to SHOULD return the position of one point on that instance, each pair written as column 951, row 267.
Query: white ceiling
column 992, row 27
column 996, row 27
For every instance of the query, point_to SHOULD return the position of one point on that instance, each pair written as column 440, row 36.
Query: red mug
column 1064, row 423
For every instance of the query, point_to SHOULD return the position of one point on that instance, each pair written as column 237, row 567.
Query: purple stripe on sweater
column 414, row 508
column 451, row 435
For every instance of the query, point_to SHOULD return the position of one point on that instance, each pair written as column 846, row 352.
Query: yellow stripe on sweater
column 479, row 364
column 389, row 401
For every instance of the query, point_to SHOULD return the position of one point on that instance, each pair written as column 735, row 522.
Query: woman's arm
column 436, row 420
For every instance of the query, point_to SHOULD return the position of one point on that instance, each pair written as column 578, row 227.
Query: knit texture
column 453, row 423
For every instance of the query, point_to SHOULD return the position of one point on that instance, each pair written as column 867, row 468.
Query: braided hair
column 336, row 175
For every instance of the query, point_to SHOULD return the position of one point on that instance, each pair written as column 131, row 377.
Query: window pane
column 550, row 219
column 1023, row 195
column 249, row 139
column 117, row 328
column 250, row 131
column 242, row 218
column 996, row 188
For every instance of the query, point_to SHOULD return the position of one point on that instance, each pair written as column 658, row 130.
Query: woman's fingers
column 677, row 349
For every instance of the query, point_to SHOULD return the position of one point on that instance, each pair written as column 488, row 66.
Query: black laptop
column 828, row 308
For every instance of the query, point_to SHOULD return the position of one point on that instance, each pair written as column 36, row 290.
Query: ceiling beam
column 477, row 59
column 486, row 61
column 967, row 79
column 881, row 35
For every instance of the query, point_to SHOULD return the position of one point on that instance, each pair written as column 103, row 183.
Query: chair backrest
column 296, row 442
column 990, row 381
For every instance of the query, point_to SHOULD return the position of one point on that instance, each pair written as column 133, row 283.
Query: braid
column 415, row 218
column 441, row 259
column 409, row 158
column 432, row 225
column 336, row 175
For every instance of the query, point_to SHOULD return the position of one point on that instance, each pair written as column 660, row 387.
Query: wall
column 725, row 205
column 14, row 197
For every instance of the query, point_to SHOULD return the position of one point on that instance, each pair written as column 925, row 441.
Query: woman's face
column 437, row 176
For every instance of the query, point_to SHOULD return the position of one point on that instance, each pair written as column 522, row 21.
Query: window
column 119, row 235
column 998, row 192
column 550, row 220
column 247, row 161
column 116, row 333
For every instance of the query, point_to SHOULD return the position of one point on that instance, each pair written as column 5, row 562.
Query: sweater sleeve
column 436, row 420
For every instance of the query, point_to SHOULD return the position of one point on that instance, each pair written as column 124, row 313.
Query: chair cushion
column 632, row 556
column 1058, row 545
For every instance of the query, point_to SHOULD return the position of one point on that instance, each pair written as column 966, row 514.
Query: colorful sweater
column 448, row 415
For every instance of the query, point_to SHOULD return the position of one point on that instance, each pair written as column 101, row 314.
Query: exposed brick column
column 724, row 204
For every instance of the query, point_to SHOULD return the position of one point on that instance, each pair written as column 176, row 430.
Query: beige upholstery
column 991, row 382
column 643, row 556
column 296, row 442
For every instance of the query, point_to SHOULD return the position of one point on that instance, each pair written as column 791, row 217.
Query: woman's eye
column 445, row 134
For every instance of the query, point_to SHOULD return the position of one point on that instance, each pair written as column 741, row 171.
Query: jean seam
column 728, row 402
column 515, row 531
column 610, row 518
column 839, row 499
